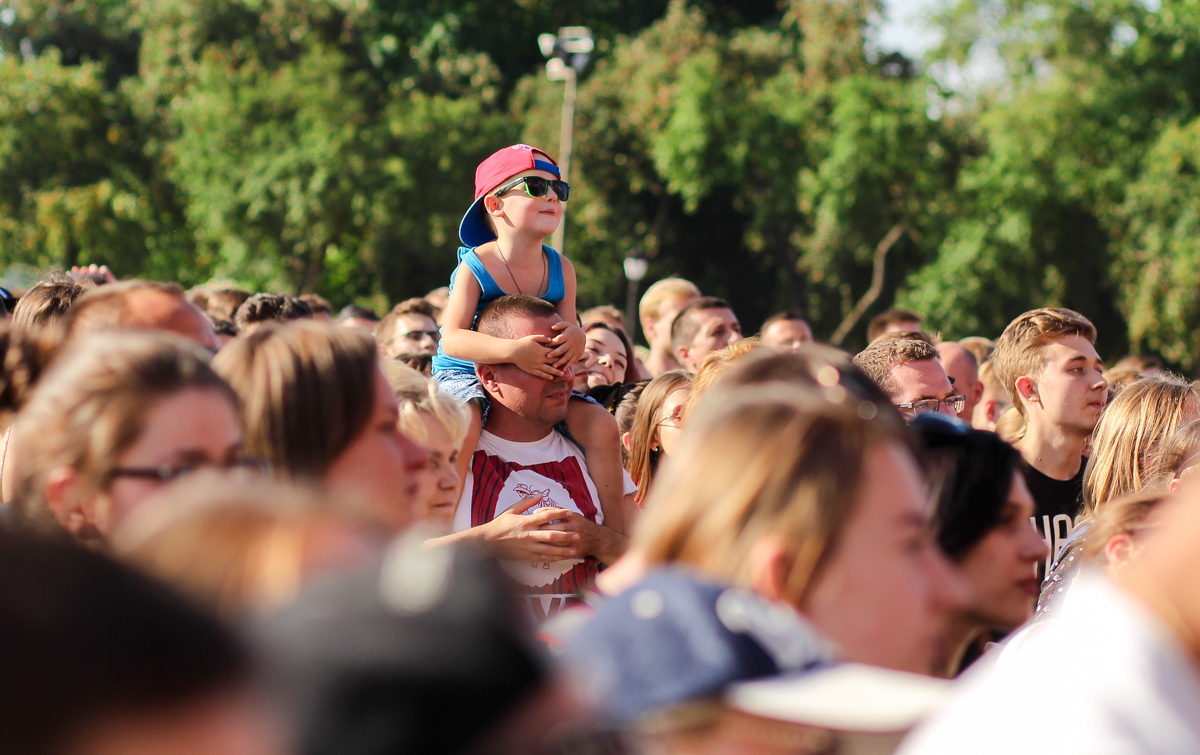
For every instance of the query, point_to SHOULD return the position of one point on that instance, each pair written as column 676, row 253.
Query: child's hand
column 568, row 344
column 532, row 354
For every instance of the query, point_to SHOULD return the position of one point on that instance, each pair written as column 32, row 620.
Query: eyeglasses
column 536, row 186
column 168, row 473
column 675, row 417
column 417, row 335
column 954, row 403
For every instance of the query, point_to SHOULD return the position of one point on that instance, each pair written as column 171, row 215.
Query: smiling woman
column 610, row 348
column 117, row 417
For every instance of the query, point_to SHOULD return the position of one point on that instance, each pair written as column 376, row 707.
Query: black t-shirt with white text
column 1057, row 503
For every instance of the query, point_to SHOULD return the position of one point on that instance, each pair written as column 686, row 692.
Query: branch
column 873, row 292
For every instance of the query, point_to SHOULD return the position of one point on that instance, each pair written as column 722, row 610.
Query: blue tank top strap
column 556, row 290
column 489, row 289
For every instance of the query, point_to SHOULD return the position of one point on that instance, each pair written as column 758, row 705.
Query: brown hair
column 495, row 318
column 223, row 303
column 878, row 359
column 1122, row 516
column 642, row 463
column 417, row 306
column 269, row 308
column 1018, row 351
column 1127, row 438
column 90, row 407
column 317, row 303
column 777, row 458
column 884, row 320
column 684, row 327
column 305, row 391
column 789, row 315
column 605, row 313
column 235, row 545
column 105, row 307
column 46, row 304
column 1175, row 454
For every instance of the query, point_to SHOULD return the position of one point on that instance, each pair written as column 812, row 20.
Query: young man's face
column 1071, row 392
column 718, row 328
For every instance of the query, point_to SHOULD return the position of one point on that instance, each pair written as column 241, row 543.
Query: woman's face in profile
column 886, row 592
column 669, row 429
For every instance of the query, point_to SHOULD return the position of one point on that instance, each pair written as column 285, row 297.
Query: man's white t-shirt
column 503, row 472
column 1106, row 676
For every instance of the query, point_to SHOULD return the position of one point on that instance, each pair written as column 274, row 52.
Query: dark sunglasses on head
column 536, row 186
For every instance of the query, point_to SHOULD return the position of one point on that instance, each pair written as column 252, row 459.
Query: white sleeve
column 630, row 487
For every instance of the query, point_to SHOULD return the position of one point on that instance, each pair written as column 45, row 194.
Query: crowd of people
column 238, row 523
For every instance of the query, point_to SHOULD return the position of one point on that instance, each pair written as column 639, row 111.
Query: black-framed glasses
column 954, row 403
column 170, row 473
column 536, row 186
column 416, row 335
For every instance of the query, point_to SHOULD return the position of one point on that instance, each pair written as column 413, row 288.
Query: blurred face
column 717, row 329
column 787, row 335
column 669, row 427
column 156, row 310
column 191, row 429
column 222, row 724
column 516, row 212
column 1071, row 392
column 1000, row 569
column 382, row 467
column 658, row 332
column 886, row 592
column 416, row 334
column 438, row 508
column 610, row 356
column 921, row 381
column 960, row 367
column 530, row 397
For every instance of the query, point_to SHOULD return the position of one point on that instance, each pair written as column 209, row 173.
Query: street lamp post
column 635, row 269
column 568, row 55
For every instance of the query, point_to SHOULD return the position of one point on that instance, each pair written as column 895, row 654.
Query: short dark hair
column 496, row 318
column 684, row 327
column 878, row 359
column 416, row 306
column 46, row 304
column 271, row 308
column 882, row 321
column 790, row 314
column 86, row 637
column 354, row 311
column 317, row 303
column 223, row 303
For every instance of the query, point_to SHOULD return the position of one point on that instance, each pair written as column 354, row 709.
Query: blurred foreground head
column 98, row 659
column 423, row 653
column 810, row 493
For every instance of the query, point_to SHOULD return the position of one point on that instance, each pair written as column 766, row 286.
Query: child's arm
column 530, row 353
column 568, row 345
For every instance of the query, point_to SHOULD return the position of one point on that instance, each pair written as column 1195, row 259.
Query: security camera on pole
column 568, row 55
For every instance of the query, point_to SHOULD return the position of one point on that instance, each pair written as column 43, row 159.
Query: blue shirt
column 490, row 290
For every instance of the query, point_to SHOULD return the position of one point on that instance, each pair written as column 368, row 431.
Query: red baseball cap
column 501, row 165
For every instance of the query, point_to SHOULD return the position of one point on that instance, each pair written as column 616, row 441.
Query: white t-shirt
column 502, row 472
column 1107, row 676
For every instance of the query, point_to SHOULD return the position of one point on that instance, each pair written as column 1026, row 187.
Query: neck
column 959, row 635
column 661, row 360
column 1050, row 450
column 516, row 245
column 508, row 425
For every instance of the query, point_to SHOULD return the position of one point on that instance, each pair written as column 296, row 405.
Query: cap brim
column 474, row 231
column 848, row 697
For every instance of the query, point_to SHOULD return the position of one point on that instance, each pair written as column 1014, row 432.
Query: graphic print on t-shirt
column 499, row 484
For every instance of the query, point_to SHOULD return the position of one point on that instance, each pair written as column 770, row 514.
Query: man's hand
column 524, row 537
column 568, row 344
column 604, row 543
column 532, row 354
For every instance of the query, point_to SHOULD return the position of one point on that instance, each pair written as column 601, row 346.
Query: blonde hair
column 643, row 460
column 672, row 290
column 713, row 367
column 417, row 395
column 306, row 392
column 235, row 545
column 1122, row 516
column 1019, row 350
column 774, row 458
column 1127, row 438
column 91, row 406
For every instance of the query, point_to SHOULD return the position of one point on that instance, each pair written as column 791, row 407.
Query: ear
column 977, row 391
column 681, row 354
column 493, row 205
column 769, row 562
column 627, row 441
column 1118, row 550
column 64, row 504
column 649, row 329
column 1028, row 390
column 487, row 377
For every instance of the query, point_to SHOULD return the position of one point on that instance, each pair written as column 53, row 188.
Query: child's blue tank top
column 491, row 290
